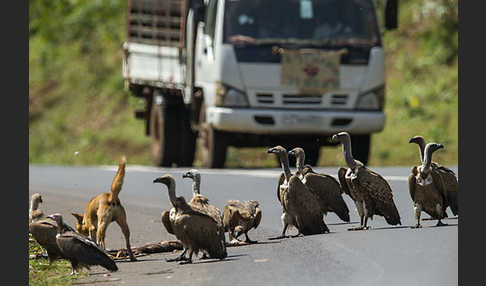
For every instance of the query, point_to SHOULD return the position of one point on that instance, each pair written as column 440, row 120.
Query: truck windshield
column 306, row 22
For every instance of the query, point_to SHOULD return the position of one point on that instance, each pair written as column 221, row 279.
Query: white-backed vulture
column 196, row 230
column 34, row 212
column 44, row 231
column 371, row 192
column 202, row 202
column 199, row 200
column 240, row 217
column 299, row 204
column 80, row 250
column 449, row 186
column 425, row 188
column 325, row 187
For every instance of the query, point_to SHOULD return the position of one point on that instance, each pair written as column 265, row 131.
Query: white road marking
column 246, row 172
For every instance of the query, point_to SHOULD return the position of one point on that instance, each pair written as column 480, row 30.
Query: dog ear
column 79, row 217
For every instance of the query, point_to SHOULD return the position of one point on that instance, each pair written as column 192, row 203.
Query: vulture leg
column 248, row 240
column 74, row 265
column 359, row 207
column 121, row 221
column 418, row 210
column 188, row 260
column 178, row 258
column 282, row 235
column 441, row 212
column 297, row 235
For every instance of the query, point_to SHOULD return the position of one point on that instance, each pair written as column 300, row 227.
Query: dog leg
column 122, row 222
column 102, row 225
column 92, row 233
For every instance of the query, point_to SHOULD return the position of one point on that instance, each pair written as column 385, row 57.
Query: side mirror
column 391, row 14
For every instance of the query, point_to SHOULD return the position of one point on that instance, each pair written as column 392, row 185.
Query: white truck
column 208, row 69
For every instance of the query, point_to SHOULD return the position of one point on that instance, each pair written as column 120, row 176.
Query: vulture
column 300, row 206
column 449, row 185
column 325, row 187
column 240, row 217
column 196, row 230
column 370, row 192
column 202, row 202
column 34, row 212
column 426, row 188
column 44, row 231
column 80, row 250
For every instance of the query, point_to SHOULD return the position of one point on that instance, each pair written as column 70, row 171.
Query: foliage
column 77, row 100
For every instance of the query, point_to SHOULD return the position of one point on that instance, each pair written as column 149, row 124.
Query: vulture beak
column 335, row 138
column 271, row 150
column 187, row 175
column 159, row 180
column 291, row 153
column 40, row 199
column 412, row 140
column 440, row 146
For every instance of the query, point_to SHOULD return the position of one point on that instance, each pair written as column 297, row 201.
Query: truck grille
column 265, row 98
column 301, row 99
column 339, row 99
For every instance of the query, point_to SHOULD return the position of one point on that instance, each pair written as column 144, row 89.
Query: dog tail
column 118, row 180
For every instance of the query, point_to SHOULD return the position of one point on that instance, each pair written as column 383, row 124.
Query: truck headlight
column 372, row 100
column 229, row 97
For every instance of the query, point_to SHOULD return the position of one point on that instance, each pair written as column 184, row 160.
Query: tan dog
column 104, row 209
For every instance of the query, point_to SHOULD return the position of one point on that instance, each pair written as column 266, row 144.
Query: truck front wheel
column 361, row 147
column 213, row 143
column 163, row 126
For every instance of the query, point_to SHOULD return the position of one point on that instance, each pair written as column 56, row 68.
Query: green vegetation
column 43, row 273
column 77, row 101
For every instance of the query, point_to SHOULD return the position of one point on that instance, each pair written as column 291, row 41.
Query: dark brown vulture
column 80, row 250
column 371, row 192
column 196, row 230
column 240, row 217
column 425, row 188
column 325, row 187
column 449, row 186
column 299, row 204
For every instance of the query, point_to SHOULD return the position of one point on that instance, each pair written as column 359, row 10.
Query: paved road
column 383, row 255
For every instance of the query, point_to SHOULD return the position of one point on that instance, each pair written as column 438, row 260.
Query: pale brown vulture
column 35, row 212
column 299, row 204
column 425, row 188
column 449, row 186
column 240, row 217
column 371, row 192
column 196, row 230
column 325, row 187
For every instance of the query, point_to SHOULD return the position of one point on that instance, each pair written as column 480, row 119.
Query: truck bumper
column 278, row 121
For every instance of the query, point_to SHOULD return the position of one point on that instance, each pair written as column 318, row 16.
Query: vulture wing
column 281, row 180
column 166, row 222
column 305, row 206
column 86, row 252
column 412, row 182
column 328, row 192
column 381, row 194
column 257, row 217
column 342, row 180
column 44, row 232
column 447, row 184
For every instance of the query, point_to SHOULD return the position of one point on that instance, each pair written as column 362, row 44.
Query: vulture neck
column 347, row 153
column 34, row 205
column 196, row 185
column 421, row 143
column 172, row 194
column 284, row 161
column 427, row 160
column 299, row 162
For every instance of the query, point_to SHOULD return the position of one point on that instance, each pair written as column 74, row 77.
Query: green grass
column 42, row 273
column 78, row 101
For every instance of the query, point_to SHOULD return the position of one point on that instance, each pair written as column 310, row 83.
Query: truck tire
column 163, row 126
column 187, row 147
column 312, row 155
column 213, row 143
column 361, row 147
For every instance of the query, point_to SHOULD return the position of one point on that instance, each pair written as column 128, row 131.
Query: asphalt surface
column 383, row 255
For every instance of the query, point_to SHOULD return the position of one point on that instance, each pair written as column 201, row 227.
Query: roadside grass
column 77, row 100
column 41, row 273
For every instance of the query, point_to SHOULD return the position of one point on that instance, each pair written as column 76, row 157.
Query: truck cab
column 222, row 82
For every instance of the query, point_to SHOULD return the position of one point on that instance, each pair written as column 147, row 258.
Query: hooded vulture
column 300, row 205
column 371, row 192
column 240, row 217
column 80, row 250
column 449, row 186
column 325, row 187
column 196, row 230
column 425, row 188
